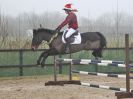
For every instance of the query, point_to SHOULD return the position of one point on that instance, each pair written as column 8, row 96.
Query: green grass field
column 12, row 58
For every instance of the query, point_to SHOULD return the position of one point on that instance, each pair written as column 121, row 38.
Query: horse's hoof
column 42, row 65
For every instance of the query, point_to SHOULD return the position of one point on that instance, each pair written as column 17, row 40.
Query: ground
column 34, row 88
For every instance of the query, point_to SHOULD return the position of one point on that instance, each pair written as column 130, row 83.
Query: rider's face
column 66, row 12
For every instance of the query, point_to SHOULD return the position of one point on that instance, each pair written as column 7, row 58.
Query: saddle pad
column 76, row 41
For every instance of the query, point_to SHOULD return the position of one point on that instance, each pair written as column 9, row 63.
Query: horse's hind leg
column 97, row 53
column 94, row 53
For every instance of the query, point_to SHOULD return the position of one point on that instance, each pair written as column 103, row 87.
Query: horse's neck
column 47, row 36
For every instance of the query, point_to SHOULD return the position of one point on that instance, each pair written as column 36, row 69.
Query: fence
column 20, row 62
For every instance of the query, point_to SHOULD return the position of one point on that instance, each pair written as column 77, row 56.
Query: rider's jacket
column 71, row 20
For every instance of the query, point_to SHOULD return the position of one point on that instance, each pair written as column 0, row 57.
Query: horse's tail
column 103, row 41
column 98, row 52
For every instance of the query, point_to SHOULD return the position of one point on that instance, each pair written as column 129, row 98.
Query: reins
column 52, row 38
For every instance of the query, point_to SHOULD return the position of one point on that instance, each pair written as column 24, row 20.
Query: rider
column 72, row 22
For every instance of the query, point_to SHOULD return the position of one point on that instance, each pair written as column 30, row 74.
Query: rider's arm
column 66, row 21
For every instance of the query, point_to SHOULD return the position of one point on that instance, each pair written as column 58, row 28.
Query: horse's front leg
column 51, row 52
column 40, row 59
column 45, row 55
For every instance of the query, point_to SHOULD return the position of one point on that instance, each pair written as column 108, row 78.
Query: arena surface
column 34, row 88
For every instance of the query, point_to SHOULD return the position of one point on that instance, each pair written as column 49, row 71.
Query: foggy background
column 113, row 18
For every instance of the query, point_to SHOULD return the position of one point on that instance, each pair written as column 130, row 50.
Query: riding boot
column 68, row 40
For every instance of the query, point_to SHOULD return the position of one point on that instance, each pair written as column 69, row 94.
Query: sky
column 91, row 8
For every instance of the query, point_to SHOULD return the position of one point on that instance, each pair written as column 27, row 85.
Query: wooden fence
column 21, row 58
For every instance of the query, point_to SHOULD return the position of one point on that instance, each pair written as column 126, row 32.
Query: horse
column 94, row 41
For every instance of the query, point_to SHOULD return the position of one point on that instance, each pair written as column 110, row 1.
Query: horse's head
column 39, row 35
column 36, row 40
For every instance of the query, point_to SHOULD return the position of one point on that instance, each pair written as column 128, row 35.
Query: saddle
column 72, row 37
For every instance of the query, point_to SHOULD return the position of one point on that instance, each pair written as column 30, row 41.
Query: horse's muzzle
column 33, row 48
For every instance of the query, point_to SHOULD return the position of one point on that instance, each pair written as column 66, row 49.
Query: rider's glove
column 57, row 29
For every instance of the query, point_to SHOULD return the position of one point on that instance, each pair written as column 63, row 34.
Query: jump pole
column 62, row 82
column 127, row 62
column 55, row 75
column 128, row 93
column 100, row 74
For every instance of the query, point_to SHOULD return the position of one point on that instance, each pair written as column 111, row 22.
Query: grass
column 12, row 58
column 9, row 58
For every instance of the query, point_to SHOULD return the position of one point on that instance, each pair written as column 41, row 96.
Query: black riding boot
column 67, row 46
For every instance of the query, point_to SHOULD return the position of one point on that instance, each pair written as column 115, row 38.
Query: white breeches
column 69, row 32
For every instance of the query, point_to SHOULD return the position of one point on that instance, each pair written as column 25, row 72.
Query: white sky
column 93, row 8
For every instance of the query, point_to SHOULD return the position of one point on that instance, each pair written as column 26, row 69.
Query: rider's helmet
column 68, row 7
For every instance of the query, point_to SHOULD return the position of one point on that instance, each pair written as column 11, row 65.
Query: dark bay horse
column 90, row 40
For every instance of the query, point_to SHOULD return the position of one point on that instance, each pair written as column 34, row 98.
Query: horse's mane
column 47, row 30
